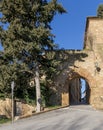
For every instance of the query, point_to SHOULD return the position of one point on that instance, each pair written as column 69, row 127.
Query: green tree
column 100, row 11
column 26, row 39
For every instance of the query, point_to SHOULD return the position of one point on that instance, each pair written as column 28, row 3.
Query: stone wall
column 94, row 33
column 87, row 64
column 5, row 108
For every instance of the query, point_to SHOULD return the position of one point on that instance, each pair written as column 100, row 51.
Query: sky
column 69, row 28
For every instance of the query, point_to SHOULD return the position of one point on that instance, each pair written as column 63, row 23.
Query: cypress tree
column 26, row 38
column 100, row 11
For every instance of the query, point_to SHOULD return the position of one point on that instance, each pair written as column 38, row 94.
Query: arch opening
column 79, row 92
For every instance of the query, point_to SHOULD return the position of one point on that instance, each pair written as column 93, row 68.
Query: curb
column 34, row 114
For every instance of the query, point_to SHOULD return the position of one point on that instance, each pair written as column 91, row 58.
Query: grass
column 4, row 120
column 53, row 107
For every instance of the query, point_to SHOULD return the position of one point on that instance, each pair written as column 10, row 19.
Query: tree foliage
column 100, row 11
column 25, row 40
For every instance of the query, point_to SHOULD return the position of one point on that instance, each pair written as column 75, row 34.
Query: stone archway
column 79, row 91
column 77, row 73
column 86, row 64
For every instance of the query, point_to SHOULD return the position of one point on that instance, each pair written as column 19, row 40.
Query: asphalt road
column 72, row 118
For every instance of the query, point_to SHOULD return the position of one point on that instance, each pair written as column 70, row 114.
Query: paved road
column 72, row 118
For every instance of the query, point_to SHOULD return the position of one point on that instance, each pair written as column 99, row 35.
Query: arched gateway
column 79, row 92
column 76, row 65
column 75, row 92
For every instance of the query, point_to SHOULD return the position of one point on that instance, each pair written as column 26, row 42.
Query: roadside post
column 12, row 100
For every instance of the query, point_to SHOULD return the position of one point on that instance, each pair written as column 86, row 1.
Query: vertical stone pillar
column 65, row 99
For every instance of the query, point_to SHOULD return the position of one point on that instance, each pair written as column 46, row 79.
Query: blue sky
column 69, row 28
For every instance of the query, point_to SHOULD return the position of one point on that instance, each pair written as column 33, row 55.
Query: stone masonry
column 86, row 64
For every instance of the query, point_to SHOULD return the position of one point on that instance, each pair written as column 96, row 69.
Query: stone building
column 84, row 64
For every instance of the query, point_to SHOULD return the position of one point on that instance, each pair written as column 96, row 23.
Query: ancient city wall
column 86, row 64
